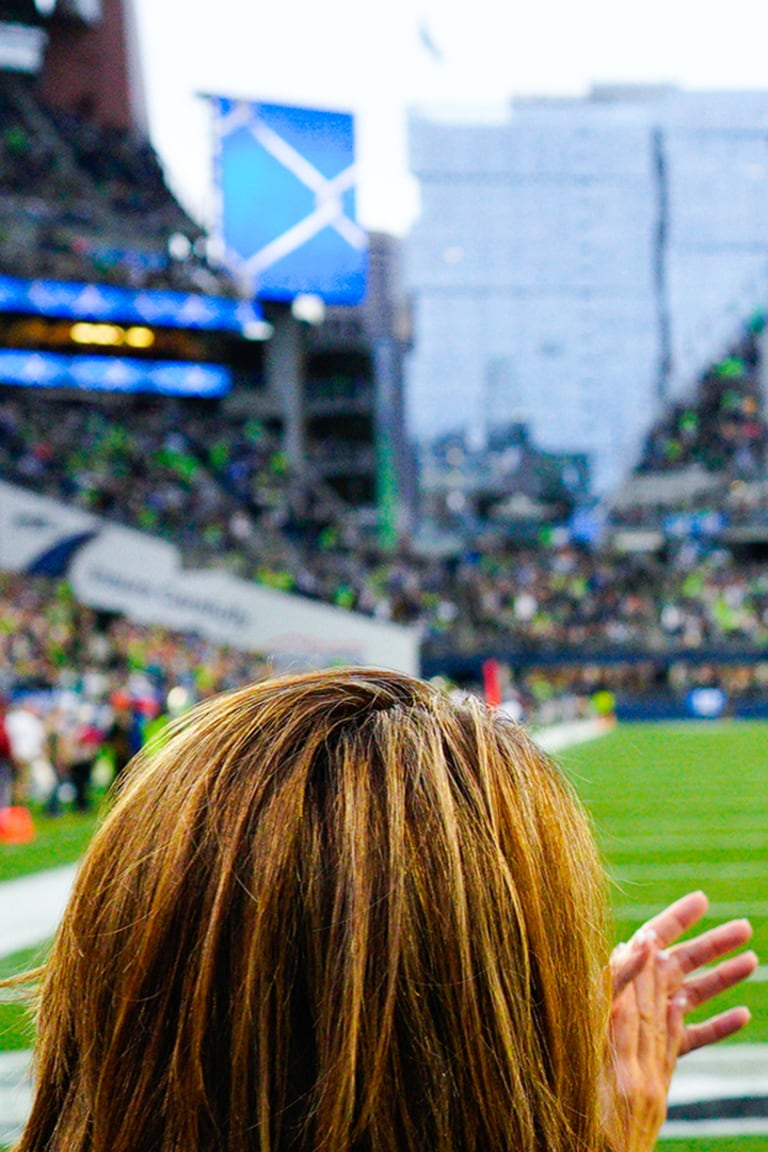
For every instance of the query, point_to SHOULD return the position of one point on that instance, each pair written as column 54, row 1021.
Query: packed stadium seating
column 216, row 485
column 101, row 684
column 81, row 202
column 707, row 454
column 723, row 428
column 228, row 498
column 48, row 640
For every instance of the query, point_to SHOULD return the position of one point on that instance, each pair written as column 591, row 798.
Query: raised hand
column 646, row 1035
column 655, row 982
column 686, row 958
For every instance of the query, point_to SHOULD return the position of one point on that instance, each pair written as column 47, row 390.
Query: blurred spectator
column 6, row 761
column 81, row 744
column 120, row 736
column 33, row 773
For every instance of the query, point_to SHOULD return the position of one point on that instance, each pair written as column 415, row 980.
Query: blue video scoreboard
column 285, row 186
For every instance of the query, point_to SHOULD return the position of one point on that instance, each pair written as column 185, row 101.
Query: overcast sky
column 379, row 59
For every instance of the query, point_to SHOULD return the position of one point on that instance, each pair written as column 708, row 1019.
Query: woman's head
column 334, row 911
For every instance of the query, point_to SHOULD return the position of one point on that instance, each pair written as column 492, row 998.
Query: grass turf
column 679, row 807
column 715, row 1144
column 16, row 1030
column 59, row 840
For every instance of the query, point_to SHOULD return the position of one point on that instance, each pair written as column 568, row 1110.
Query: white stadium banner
column 120, row 570
column 30, row 526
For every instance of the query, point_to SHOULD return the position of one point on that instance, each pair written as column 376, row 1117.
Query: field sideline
column 676, row 807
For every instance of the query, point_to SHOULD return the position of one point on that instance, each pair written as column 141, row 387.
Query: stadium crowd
column 49, row 640
column 84, row 689
column 708, row 455
column 156, row 466
column 221, row 489
column 577, row 628
column 85, row 203
column 723, row 426
column 227, row 498
column 77, row 686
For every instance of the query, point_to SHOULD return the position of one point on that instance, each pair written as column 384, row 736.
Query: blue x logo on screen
column 285, row 180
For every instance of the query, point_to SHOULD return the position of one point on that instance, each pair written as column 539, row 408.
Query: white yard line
column 723, row 910
column 721, row 1072
column 681, row 870
column 699, row 727
column 696, row 1129
column 752, row 832
column 15, row 1094
column 32, row 906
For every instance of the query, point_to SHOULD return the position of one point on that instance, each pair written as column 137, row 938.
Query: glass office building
column 577, row 265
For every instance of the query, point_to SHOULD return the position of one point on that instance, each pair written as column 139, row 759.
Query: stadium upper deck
column 82, row 201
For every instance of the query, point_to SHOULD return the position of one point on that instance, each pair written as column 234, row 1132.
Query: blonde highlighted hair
column 334, row 912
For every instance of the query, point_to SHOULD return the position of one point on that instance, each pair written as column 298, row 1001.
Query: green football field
column 679, row 807
column 676, row 807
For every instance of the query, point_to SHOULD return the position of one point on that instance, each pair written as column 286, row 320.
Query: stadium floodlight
column 179, row 246
column 85, row 332
column 309, row 308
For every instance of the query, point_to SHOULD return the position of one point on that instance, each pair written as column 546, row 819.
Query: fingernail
column 680, row 1000
column 643, row 936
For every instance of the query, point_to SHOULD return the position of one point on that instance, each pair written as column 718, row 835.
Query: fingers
column 624, row 1027
column 699, row 989
column 713, row 1030
column 661, row 1016
column 646, row 1035
column 670, row 1011
column 675, row 1031
column 651, row 974
column 670, row 924
column 628, row 959
column 647, row 1018
column 711, row 945
column 648, row 1010
column 678, row 917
